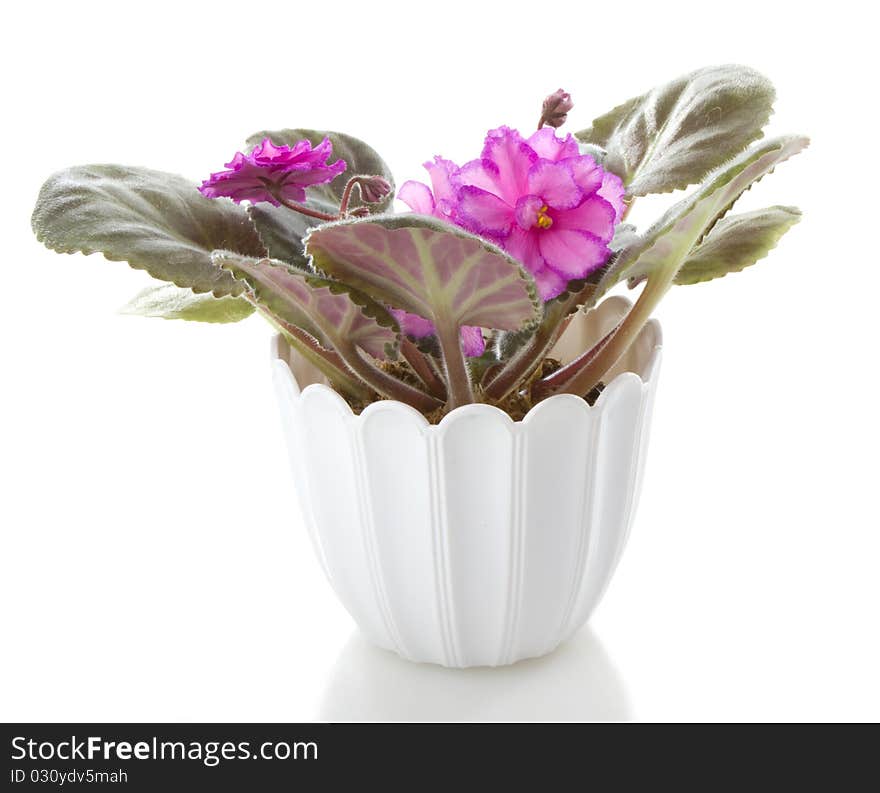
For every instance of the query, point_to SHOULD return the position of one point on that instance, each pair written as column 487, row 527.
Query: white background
column 153, row 563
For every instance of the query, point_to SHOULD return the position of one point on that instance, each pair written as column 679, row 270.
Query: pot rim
column 609, row 311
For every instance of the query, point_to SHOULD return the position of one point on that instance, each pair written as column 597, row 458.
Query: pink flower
column 271, row 172
column 544, row 202
column 539, row 198
column 442, row 200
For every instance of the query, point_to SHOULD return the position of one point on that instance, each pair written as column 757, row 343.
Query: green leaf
column 736, row 242
column 361, row 160
column 429, row 268
column 155, row 221
column 281, row 231
column 666, row 245
column 672, row 136
column 171, row 302
column 337, row 317
column 435, row 270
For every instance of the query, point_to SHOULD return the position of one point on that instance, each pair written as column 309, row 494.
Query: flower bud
column 373, row 189
column 555, row 109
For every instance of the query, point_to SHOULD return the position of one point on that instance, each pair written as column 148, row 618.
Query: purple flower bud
column 373, row 189
column 555, row 109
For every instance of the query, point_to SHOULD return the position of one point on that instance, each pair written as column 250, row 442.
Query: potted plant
column 467, row 409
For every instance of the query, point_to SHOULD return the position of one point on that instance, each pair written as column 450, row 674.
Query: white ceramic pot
column 481, row 540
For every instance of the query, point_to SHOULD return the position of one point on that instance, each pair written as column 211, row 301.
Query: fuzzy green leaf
column 736, row 242
column 360, row 158
column 337, row 317
column 281, row 231
column 674, row 135
column 668, row 243
column 168, row 301
column 429, row 268
column 155, row 221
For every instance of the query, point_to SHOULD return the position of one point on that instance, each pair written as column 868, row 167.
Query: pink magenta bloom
column 540, row 199
column 270, row 171
column 438, row 200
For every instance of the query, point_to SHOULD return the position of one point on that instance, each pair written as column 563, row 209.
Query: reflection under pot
column 577, row 682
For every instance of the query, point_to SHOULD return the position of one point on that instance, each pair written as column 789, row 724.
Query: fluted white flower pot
column 481, row 540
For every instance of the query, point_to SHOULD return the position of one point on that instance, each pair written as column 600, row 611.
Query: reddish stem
column 422, row 368
column 295, row 206
column 304, row 210
column 546, row 386
column 346, row 194
column 386, row 384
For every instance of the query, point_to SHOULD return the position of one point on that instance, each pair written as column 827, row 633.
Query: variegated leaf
column 429, row 268
column 668, row 243
column 155, row 221
column 168, row 301
column 672, row 136
column 736, row 242
column 334, row 315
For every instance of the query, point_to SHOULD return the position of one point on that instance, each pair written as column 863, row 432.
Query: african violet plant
column 462, row 299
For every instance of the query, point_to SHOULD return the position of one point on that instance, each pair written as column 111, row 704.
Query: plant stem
column 527, row 359
column 457, row 375
column 422, row 368
column 304, row 210
column 346, row 194
column 387, row 385
column 296, row 207
column 328, row 362
column 546, row 386
column 581, row 382
column 552, row 326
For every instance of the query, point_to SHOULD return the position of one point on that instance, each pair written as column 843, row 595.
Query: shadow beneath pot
column 577, row 682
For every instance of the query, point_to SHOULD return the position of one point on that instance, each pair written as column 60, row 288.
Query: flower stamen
column 543, row 220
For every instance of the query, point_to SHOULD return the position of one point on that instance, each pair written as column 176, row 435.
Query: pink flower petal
column 547, row 145
column 417, row 197
column 555, row 184
column 523, row 246
column 412, row 324
column 484, row 213
column 306, row 175
column 506, row 148
column 480, row 173
column 572, row 254
column 293, row 192
column 287, row 170
column 317, row 154
column 594, row 214
column 549, row 283
column 587, row 174
column 472, row 341
column 442, row 173
column 612, row 190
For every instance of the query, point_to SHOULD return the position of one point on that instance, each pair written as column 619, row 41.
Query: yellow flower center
column 543, row 221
